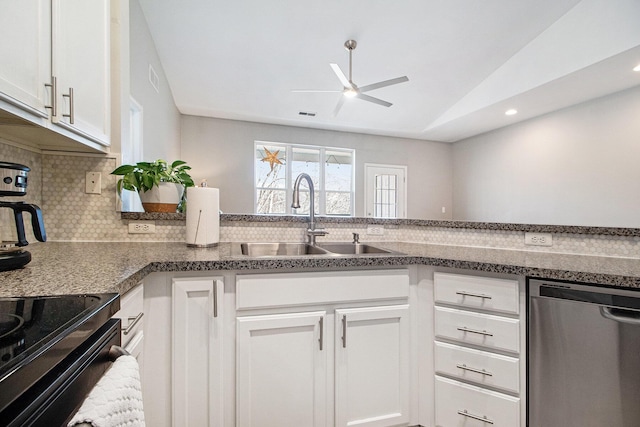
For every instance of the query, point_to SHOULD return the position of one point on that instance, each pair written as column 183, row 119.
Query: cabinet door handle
column 215, row 298
column 54, row 96
column 484, row 418
column 476, row 370
column 132, row 322
column 473, row 331
column 469, row 294
column 321, row 339
column 344, row 331
column 71, row 114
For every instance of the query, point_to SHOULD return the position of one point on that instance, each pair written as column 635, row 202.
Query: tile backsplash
column 57, row 185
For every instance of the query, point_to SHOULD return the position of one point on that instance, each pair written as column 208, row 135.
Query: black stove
column 39, row 335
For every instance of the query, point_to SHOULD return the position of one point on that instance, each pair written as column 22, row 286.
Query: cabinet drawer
column 486, row 330
column 500, row 295
column 131, row 312
column 287, row 289
column 459, row 404
column 478, row 366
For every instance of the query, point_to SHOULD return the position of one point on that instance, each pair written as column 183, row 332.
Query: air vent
column 153, row 78
column 306, row 113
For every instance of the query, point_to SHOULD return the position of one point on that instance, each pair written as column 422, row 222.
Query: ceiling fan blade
column 374, row 100
column 315, row 91
column 338, row 106
column 343, row 79
column 384, row 84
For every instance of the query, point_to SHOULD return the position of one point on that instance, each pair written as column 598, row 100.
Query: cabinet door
column 281, row 370
column 372, row 366
column 81, row 61
column 25, row 53
column 197, row 352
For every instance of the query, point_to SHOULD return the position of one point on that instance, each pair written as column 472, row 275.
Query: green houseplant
column 159, row 184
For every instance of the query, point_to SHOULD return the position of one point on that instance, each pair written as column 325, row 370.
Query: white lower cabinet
column 281, row 370
column 345, row 363
column 478, row 341
column 197, row 314
column 464, row 405
column 132, row 322
column 372, row 366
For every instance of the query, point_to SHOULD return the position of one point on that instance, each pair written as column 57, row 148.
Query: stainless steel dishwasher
column 583, row 365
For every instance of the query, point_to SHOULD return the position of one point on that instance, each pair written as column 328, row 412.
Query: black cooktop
column 36, row 333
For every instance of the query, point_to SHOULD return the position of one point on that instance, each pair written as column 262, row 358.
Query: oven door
column 55, row 398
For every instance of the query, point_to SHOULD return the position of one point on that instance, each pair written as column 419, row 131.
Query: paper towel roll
column 203, row 216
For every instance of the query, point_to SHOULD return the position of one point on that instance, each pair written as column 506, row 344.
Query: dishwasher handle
column 631, row 317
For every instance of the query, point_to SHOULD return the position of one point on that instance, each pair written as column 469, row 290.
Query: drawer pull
column 132, row 322
column 476, row 370
column 469, row 294
column 484, row 419
column 473, row 331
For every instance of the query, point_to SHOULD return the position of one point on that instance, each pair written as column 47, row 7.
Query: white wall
column 577, row 166
column 221, row 151
column 161, row 130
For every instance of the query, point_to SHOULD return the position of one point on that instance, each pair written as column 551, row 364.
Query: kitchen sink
column 299, row 249
column 353, row 249
column 280, row 249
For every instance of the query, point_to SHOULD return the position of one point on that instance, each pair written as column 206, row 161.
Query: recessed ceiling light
column 511, row 112
column 636, row 68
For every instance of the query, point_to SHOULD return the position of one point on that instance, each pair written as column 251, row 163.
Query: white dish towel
column 116, row 400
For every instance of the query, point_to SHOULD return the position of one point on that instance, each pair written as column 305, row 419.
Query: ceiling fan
column 351, row 90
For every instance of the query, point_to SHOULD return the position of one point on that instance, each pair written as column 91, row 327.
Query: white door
column 372, row 366
column 197, row 393
column 25, row 54
column 281, row 370
column 385, row 191
column 81, row 61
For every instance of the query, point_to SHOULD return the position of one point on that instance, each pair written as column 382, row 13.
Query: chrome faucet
column 312, row 232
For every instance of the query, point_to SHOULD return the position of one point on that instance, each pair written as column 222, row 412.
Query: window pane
column 338, row 170
column 266, row 155
column 271, row 202
column 306, row 160
column 338, row 203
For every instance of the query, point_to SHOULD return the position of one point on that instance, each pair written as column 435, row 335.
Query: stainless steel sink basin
column 353, row 249
column 259, row 249
column 280, row 249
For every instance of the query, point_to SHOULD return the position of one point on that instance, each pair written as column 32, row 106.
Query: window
column 385, row 191
column 277, row 165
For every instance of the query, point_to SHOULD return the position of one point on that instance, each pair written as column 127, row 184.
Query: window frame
column 320, row 189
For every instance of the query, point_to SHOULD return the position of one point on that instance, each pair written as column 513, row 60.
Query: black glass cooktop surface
column 36, row 333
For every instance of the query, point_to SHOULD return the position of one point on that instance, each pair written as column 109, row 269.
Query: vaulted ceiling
column 467, row 61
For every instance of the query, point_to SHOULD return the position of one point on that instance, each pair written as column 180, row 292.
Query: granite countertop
column 89, row 267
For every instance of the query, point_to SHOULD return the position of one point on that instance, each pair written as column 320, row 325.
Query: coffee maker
column 13, row 182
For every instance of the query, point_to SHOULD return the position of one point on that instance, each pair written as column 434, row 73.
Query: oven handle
column 630, row 317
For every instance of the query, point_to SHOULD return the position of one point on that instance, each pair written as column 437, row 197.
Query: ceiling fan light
column 350, row 92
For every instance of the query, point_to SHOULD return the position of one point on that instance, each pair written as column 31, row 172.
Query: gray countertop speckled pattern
column 79, row 267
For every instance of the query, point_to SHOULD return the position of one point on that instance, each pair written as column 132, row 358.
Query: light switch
column 93, row 183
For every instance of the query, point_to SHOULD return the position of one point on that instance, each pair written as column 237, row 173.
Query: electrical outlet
column 142, row 227
column 376, row 230
column 538, row 239
column 93, row 183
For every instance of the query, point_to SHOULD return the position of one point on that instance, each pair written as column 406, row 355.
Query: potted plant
column 159, row 184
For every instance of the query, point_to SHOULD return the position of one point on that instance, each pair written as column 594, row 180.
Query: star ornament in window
column 272, row 158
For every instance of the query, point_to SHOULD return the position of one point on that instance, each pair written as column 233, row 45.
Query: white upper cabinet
column 25, row 54
column 55, row 72
column 81, row 62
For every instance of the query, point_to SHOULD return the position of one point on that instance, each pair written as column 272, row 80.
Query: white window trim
column 320, row 190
